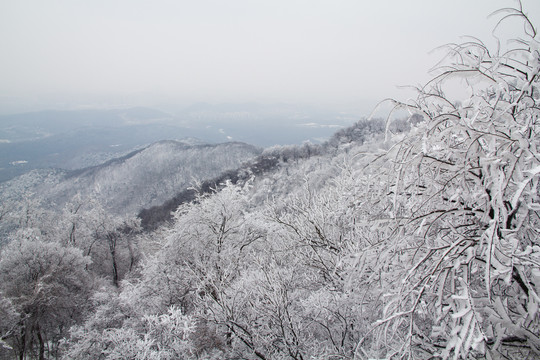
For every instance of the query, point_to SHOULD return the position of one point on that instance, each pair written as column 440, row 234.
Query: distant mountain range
column 81, row 138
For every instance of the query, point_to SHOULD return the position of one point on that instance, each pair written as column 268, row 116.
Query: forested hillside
column 267, row 163
column 125, row 185
column 410, row 239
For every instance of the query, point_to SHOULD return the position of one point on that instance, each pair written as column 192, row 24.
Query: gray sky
column 308, row 51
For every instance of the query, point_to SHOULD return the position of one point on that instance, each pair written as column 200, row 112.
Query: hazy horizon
column 66, row 54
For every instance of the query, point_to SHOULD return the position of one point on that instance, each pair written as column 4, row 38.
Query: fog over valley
column 80, row 138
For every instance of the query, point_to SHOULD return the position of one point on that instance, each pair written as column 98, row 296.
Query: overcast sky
column 308, row 51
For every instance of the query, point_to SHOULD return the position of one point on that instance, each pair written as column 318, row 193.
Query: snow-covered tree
column 151, row 337
column 46, row 284
column 8, row 326
column 461, row 260
column 107, row 238
column 201, row 256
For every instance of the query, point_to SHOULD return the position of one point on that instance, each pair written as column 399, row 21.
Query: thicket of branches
column 462, row 259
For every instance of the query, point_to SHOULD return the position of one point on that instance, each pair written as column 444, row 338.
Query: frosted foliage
column 461, row 263
column 209, row 237
column 274, row 278
column 45, row 284
column 9, row 317
column 155, row 337
column 200, row 256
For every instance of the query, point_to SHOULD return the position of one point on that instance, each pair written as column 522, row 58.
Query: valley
column 81, row 138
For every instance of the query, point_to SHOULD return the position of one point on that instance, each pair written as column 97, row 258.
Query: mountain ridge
column 128, row 183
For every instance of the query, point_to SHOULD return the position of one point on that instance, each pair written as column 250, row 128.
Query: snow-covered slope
column 140, row 179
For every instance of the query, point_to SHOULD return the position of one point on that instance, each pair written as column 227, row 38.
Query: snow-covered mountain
column 143, row 178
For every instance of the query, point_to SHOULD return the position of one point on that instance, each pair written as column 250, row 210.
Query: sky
column 328, row 52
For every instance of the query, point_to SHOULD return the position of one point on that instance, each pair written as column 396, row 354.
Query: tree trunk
column 131, row 254
column 22, row 346
column 41, row 344
column 114, row 269
column 112, row 247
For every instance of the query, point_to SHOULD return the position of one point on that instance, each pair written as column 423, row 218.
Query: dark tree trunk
column 114, row 270
column 22, row 346
column 112, row 247
column 41, row 343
